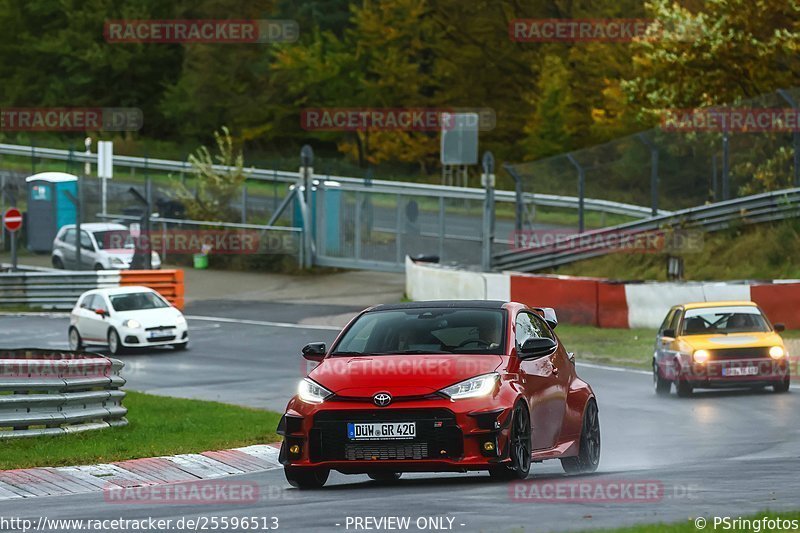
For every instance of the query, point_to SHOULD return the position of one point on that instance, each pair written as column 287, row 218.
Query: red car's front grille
column 438, row 436
column 374, row 452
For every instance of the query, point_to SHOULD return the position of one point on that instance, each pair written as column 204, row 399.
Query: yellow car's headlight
column 777, row 352
column 701, row 356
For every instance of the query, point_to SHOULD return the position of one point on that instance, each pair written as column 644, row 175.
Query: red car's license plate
column 381, row 430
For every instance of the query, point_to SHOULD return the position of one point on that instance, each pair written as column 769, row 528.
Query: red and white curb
column 65, row 480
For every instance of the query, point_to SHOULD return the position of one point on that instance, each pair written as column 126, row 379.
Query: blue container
column 49, row 207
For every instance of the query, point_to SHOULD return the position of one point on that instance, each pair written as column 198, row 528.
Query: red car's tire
column 683, row 389
column 306, row 478
column 519, row 448
column 588, row 457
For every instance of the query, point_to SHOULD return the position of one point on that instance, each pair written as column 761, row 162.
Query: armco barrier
column 597, row 301
column 60, row 289
column 47, row 393
column 168, row 283
column 57, row 289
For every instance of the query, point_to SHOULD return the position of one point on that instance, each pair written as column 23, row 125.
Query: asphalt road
column 718, row 453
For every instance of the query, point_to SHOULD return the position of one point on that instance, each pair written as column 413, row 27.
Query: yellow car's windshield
column 734, row 319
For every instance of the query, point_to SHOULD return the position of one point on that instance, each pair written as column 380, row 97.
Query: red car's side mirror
column 314, row 351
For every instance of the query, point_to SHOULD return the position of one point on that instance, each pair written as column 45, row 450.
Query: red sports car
column 440, row 386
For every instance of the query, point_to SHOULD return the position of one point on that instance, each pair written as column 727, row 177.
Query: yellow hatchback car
column 719, row 344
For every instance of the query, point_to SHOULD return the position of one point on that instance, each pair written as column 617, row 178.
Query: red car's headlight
column 312, row 392
column 472, row 387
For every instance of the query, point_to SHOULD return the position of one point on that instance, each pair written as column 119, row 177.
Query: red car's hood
column 399, row 375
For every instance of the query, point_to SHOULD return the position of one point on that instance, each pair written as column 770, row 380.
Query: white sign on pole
column 105, row 159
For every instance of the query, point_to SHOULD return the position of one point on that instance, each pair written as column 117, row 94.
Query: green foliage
column 210, row 194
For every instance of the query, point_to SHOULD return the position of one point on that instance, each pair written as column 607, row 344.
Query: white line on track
column 614, row 368
column 263, row 323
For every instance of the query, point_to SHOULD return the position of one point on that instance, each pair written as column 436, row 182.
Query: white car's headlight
column 181, row 320
column 473, row 387
column 117, row 261
column 312, row 392
column 131, row 323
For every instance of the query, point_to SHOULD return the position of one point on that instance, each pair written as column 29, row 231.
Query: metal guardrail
column 348, row 183
column 764, row 207
column 50, row 393
column 56, row 289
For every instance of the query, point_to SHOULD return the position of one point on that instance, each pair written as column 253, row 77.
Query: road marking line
column 614, row 368
column 263, row 323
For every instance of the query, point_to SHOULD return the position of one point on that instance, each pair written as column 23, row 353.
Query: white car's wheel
column 75, row 341
column 114, row 344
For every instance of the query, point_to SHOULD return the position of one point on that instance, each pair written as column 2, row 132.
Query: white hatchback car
column 104, row 246
column 126, row 317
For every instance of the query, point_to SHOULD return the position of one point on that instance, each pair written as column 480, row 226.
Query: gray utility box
column 49, row 207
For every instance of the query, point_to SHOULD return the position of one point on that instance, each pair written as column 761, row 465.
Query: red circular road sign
column 12, row 219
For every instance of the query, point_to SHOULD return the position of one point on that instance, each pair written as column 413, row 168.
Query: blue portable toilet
column 49, row 208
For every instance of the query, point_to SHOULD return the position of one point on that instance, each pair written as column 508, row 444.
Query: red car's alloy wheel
column 519, row 447
column 589, row 454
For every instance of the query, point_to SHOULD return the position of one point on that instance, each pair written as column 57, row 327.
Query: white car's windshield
column 735, row 319
column 136, row 301
column 114, row 239
column 426, row 330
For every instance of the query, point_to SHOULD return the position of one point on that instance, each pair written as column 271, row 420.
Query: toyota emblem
column 382, row 399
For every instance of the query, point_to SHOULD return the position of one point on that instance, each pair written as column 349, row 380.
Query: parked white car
column 104, row 246
column 126, row 317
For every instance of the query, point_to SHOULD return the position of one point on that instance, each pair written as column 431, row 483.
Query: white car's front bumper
column 133, row 337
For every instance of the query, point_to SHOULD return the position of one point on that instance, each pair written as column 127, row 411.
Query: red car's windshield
column 425, row 331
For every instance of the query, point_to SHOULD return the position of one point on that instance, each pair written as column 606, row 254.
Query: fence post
column 244, row 203
column 519, row 208
column 653, row 173
column 726, row 184
column 581, row 186
column 306, row 173
column 487, row 180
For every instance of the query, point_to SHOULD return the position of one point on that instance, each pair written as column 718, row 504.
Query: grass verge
column 756, row 524
column 631, row 348
column 758, row 251
column 157, row 425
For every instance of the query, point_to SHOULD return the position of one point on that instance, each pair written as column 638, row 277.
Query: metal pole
column 581, row 185
column 148, row 256
column 398, row 241
column 244, row 203
column 441, row 229
column 726, row 184
column 306, row 171
column 519, row 208
column 653, row 173
column 488, row 211
column 714, row 177
column 795, row 139
column 357, row 229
